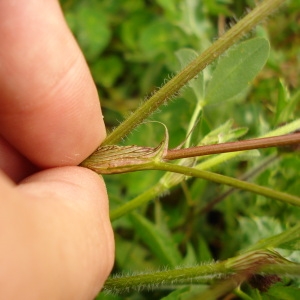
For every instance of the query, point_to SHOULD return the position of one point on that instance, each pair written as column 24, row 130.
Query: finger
column 59, row 242
column 50, row 109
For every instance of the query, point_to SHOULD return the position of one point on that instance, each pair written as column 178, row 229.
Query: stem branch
column 247, row 186
column 284, row 140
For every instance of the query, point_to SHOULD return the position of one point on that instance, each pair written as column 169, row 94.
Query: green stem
column 137, row 202
column 233, row 271
column 165, row 185
column 244, row 26
column 254, row 172
column 241, row 294
column 192, row 123
column 247, row 186
column 224, row 157
column 282, row 269
column 165, row 278
column 220, row 289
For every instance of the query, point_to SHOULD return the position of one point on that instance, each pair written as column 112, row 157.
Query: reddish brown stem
column 276, row 141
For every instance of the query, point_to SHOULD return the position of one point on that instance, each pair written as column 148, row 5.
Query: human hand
column 56, row 240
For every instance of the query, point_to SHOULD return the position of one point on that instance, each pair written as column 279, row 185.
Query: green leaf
column 190, row 257
column 224, row 133
column 93, row 33
column 217, row 7
column 169, row 6
column 176, row 295
column 157, row 240
column 132, row 256
column 291, row 108
column 185, row 56
column 289, row 239
column 185, row 292
column 161, row 37
column 284, row 292
column 283, row 97
column 253, row 230
column 237, row 69
column 133, row 27
column 204, row 253
column 106, row 71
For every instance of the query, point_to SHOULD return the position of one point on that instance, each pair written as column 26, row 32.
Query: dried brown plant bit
column 263, row 282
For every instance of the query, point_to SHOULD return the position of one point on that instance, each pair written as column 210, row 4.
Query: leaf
column 158, row 241
column 160, row 37
column 176, row 295
column 132, row 28
column 224, row 133
column 284, row 292
column 190, row 257
column 217, row 7
column 185, row 293
column 289, row 239
column 132, row 256
column 203, row 251
column 170, row 6
column 237, row 69
column 291, row 105
column 185, row 56
column 283, row 97
column 106, row 71
column 255, row 229
column 93, row 33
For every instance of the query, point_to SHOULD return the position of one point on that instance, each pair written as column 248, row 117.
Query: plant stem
column 282, row 269
column 258, row 169
column 244, row 26
column 239, row 268
column 247, row 186
column 221, row 158
column 220, row 289
column 165, row 278
column 241, row 294
column 161, row 187
column 137, row 202
column 193, row 122
column 276, row 141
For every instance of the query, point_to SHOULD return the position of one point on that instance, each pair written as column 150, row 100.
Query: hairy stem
column 239, row 268
column 166, row 277
column 244, row 26
column 243, row 185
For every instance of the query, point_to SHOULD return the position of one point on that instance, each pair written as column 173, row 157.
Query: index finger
column 50, row 110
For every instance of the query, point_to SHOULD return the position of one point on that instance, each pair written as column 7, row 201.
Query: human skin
column 56, row 240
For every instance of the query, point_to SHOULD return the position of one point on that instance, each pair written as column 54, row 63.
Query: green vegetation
column 182, row 229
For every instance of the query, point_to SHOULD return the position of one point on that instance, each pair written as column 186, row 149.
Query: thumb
column 56, row 237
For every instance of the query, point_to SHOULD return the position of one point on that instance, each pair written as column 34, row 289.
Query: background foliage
column 132, row 48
